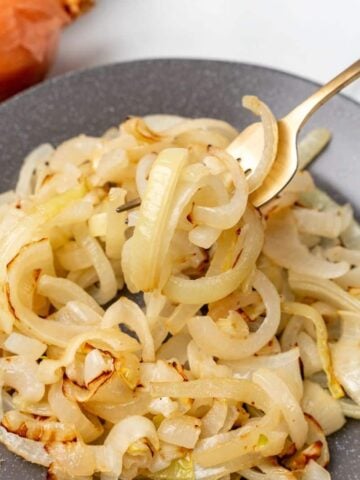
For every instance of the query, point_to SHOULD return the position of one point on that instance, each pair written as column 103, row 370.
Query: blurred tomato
column 29, row 32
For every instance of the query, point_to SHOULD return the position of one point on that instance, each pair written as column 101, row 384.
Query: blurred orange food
column 29, row 33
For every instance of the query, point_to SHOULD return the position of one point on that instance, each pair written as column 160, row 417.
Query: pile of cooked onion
column 193, row 337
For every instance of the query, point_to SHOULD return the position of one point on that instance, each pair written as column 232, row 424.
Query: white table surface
column 311, row 38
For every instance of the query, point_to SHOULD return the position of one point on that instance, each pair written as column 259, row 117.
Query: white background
column 311, row 38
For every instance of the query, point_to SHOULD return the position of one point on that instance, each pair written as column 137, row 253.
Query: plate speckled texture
column 93, row 100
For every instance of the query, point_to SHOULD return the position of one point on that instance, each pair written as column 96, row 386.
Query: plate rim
column 53, row 81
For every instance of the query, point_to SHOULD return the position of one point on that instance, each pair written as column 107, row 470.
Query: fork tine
column 129, row 205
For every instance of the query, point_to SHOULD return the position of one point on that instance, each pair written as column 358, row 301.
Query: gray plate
column 93, row 100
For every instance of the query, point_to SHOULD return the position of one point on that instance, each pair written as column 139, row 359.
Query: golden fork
column 248, row 145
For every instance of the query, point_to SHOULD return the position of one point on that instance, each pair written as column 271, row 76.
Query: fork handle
column 297, row 117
